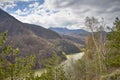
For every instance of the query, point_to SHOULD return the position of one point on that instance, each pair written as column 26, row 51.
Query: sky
column 62, row 13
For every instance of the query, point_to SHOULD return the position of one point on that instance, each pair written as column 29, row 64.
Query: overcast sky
column 61, row 13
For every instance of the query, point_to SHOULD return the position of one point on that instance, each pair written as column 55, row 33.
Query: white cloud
column 3, row 1
column 39, row 16
column 35, row 5
column 21, row 12
column 18, row 12
column 71, row 13
column 62, row 18
column 14, row 0
column 11, row 4
column 24, row 0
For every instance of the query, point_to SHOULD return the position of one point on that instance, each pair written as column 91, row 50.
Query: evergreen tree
column 2, row 69
column 54, row 71
column 113, row 57
column 12, row 66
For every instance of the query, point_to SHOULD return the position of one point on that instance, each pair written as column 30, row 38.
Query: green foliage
column 76, row 71
column 2, row 70
column 53, row 71
column 53, row 61
column 12, row 66
column 66, row 46
column 3, row 38
column 115, row 77
column 114, row 35
column 113, row 57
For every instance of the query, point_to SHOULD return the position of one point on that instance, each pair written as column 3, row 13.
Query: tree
column 2, row 41
column 12, row 66
column 113, row 58
column 54, row 71
column 95, row 47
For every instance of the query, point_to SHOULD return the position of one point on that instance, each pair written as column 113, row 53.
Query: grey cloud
column 101, row 5
column 108, row 9
column 79, row 9
column 117, row 9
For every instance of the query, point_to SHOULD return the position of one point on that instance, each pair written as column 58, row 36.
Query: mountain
column 76, row 35
column 33, row 39
column 68, row 31
column 66, row 46
column 28, row 40
column 42, row 32
column 8, row 22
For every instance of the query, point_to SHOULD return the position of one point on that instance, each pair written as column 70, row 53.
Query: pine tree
column 54, row 71
column 113, row 57
column 12, row 66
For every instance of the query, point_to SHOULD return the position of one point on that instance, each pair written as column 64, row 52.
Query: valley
column 35, row 40
column 59, row 39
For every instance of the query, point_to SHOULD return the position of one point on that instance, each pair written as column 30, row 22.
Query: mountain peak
column 14, row 26
column 29, row 38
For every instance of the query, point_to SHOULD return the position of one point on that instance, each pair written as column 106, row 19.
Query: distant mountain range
column 33, row 39
column 66, row 31
column 76, row 35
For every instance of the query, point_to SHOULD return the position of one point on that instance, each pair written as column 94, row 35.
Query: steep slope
column 66, row 46
column 42, row 32
column 80, row 40
column 7, row 22
column 27, row 40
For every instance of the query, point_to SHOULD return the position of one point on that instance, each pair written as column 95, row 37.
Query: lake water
column 70, row 59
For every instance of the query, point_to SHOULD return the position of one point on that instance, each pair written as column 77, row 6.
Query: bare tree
column 97, row 28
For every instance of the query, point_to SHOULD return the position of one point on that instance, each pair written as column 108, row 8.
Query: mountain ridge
column 68, row 31
column 77, row 36
column 33, row 39
column 26, row 40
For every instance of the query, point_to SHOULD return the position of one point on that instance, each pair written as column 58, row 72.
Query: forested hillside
column 32, row 39
column 100, row 61
column 59, row 39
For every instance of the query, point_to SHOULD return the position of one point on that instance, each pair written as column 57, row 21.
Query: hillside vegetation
column 32, row 39
column 26, row 47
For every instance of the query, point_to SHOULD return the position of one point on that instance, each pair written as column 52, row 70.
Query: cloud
column 108, row 9
column 35, row 4
column 57, row 19
column 6, row 4
column 47, row 16
column 24, row 0
column 67, row 13
column 3, row 1
column 21, row 13
column 9, row 6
